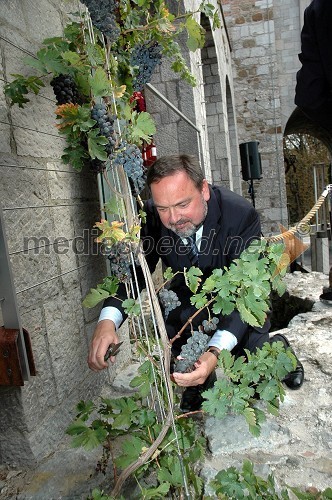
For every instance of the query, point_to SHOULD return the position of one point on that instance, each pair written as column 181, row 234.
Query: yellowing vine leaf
column 68, row 113
column 111, row 232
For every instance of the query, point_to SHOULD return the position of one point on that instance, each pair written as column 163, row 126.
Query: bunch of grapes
column 65, row 89
column 103, row 17
column 146, row 56
column 210, row 325
column 119, row 255
column 169, row 300
column 191, row 351
column 130, row 157
column 105, row 123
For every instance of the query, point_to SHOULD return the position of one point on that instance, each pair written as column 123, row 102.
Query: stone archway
column 215, row 109
column 307, row 154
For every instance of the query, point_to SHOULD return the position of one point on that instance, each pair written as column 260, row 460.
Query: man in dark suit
column 313, row 92
column 183, row 204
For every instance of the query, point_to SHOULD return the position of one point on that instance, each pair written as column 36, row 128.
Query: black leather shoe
column 192, row 398
column 295, row 378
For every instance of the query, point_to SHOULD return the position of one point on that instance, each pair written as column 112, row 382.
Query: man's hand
column 103, row 336
column 203, row 367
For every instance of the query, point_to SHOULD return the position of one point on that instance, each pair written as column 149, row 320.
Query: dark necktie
column 193, row 251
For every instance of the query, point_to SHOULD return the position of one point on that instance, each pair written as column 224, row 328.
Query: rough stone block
column 32, row 143
column 5, row 138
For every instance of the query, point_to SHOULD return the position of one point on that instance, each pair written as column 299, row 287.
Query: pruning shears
column 112, row 350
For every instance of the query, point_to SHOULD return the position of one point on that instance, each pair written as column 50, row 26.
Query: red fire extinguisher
column 150, row 152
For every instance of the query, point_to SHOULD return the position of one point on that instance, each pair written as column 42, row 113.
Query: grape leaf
column 110, row 284
column 142, row 126
column 131, row 448
column 72, row 57
column 110, row 233
column 192, row 278
column 131, row 307
column 95, row 296
column 100, row 84
column 115, row 206
column 75, row 155
column 246, row 314
column 95, row 145
column 158, row 492
column 199, row 300
column 168, row 274
column 196, row 38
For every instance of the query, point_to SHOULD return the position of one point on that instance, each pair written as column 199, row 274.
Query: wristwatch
column 214, row 351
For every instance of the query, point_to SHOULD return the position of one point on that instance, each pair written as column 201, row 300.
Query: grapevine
column 191, row 351
column 102, row 13
column 130, row 157
column 119, row 255
column 146, row 57
column 105, row 123
column 169, row 300
column 210, row 325
column 65, row 89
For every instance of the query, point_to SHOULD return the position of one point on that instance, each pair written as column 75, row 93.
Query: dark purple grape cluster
column 119, row 255
column 130, row 157
column 210, row 325
column 103, row 17
column 144, row 57
column 191, row 351
column 169, row 300
column 105, row 123
column 65, row 89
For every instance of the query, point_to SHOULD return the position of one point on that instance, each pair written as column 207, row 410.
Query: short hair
column 170, row 165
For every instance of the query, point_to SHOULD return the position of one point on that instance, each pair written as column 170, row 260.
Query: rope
column 291, row 231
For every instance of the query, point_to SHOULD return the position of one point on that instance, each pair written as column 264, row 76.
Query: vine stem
column 162, row 286
column 188, row 322
column 144, row 457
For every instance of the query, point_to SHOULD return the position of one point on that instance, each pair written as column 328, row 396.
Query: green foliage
column 233, row 484
column 257, row 377
column 246, row 284
column 20, row 87
column 107, row 288
column 131, row 307
column 101, row 73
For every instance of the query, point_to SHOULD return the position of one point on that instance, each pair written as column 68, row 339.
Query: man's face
column 181, row 206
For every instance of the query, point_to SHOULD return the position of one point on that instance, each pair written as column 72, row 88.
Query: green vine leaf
column 95, row 296
column 95, row 145
column 131, row 307
column 18, row 88
column 196, row 34
column 192, row 278
column 100, row 84
column 87, row 437
column 158, row 492
column 142, row 127
column 168, row 274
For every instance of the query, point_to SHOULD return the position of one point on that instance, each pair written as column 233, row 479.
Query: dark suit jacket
column 313, row 93
column 230, row 226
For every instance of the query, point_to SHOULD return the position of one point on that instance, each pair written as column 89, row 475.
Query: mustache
column 179, row 222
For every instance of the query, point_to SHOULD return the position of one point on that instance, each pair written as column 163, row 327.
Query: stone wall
column 210, row 105
column 43, row 200
column 252, row 31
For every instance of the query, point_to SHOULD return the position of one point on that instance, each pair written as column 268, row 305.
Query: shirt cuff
column 223, row 339
column 111, row 313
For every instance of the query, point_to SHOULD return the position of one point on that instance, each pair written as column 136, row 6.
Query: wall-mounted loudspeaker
column 250, row 161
